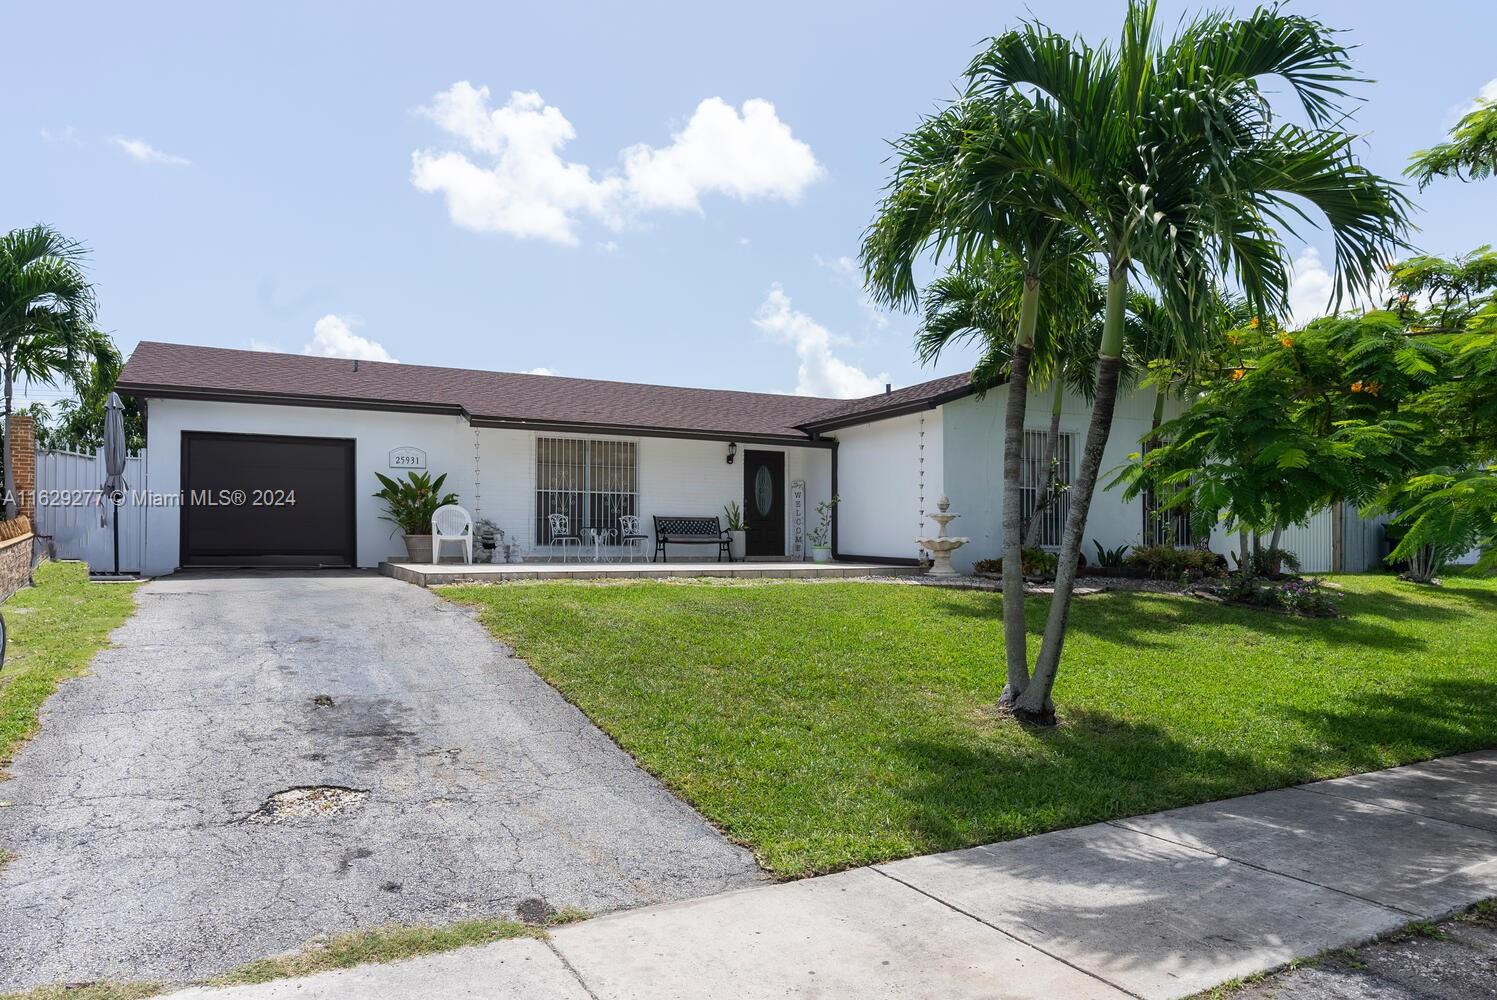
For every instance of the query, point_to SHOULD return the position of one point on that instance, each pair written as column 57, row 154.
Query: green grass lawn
column 54, row 630
column 837, row 724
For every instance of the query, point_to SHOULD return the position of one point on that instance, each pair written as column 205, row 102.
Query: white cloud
column 1487, row 95
column 821, row 372
column 333, row 337
column 1310, row 288
column 745, row 154
column 523, row 187
column 538, row 371
column 143, row 152
column 1312, row 284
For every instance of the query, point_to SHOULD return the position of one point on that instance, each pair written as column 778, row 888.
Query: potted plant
column 820, row 536
column 409, row 504
column 737, row 531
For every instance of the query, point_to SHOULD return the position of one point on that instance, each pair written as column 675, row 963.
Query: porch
column 429, row 575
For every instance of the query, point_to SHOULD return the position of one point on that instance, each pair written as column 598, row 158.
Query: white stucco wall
column 889, row 476
column 447, row 442
column 973, row 439
column 676, row 476
column 491, row 470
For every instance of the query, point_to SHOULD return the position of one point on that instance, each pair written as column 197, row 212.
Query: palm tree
column 935, row 203
column 980, row 303
column 78, row 423
column 1173, row 165
column 46, row 319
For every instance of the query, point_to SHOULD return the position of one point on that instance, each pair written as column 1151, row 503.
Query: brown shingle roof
column 494, row 398
column 906, row 400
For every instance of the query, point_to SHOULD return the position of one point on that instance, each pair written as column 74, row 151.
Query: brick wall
column 23, row 454
column 15, row 557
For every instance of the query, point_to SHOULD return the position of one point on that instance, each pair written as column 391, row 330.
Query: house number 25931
column 407, row 458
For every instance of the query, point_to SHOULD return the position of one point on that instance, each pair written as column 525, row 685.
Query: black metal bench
column 690, row 531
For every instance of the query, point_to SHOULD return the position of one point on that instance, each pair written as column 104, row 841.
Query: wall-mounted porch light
column 732, row 451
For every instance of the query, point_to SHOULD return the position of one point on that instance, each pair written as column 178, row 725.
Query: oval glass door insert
column 763, row 491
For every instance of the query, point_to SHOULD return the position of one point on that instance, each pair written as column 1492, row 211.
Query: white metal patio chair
column 451, row 524
column 632, row 538
column 563, row 536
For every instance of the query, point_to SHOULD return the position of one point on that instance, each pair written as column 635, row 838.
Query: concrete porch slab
column 432, row 575
column 1456, row 789
column 857, row 934
column 1424, row 867
column 1153, row 918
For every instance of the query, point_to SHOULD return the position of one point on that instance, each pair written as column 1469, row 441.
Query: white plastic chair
column 451, row 524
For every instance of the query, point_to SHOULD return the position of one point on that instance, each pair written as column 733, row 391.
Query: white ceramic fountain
column 942, row 545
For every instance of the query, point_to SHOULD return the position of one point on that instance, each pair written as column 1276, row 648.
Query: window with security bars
column 593, row 483
column 1034, row 474
column 1165, row 527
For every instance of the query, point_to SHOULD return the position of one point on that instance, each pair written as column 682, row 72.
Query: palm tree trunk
column 1052, row 455
column 1035, row 704
column 10, row 467
column 1015, row 638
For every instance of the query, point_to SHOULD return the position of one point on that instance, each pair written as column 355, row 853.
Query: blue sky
column 314, row 177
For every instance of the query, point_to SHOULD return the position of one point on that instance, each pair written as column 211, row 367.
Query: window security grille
column 1165, row 527
column 1034, row 473
column 593, row 483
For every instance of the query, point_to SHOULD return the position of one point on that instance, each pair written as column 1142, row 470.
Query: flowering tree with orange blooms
column 1293, row 421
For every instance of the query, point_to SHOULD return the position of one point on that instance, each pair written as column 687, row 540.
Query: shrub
column 1309, row 598
column 1165, row 562
column 1037, row 562
column 1271, row 563
column 1111, row 558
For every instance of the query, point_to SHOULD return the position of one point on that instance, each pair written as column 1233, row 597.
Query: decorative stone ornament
column 942, row 545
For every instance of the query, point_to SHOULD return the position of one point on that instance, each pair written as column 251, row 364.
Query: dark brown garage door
column 258, row 500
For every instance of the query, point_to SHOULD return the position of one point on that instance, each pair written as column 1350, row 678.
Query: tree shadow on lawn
column 1143, row 620
column 1096, row 766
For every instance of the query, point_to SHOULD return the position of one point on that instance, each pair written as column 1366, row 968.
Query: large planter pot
column 418, row 548
column 821, row 553
column 738, row 545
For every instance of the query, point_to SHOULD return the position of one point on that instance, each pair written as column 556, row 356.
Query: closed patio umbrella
column 114, row 465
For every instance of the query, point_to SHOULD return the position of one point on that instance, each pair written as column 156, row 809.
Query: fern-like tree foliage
column 1394, row 411
column 1469, row 154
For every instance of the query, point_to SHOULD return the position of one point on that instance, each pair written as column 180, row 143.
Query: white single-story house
column 516, row 448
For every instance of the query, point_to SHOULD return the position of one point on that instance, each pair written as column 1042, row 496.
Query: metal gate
column 69, row 510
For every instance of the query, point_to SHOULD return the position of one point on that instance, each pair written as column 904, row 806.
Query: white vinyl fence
column 70, row 511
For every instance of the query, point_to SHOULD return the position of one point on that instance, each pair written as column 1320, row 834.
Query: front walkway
column 150, row 842
column 431, row 575
column 1157, row 906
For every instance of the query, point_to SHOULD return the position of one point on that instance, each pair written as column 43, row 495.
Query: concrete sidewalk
column 1157, row 906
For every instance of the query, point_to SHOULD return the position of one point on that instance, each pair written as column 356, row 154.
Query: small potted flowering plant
column 737, row 531
column 820, row 536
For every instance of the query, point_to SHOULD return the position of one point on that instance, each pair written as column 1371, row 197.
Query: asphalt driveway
column 137, row 816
